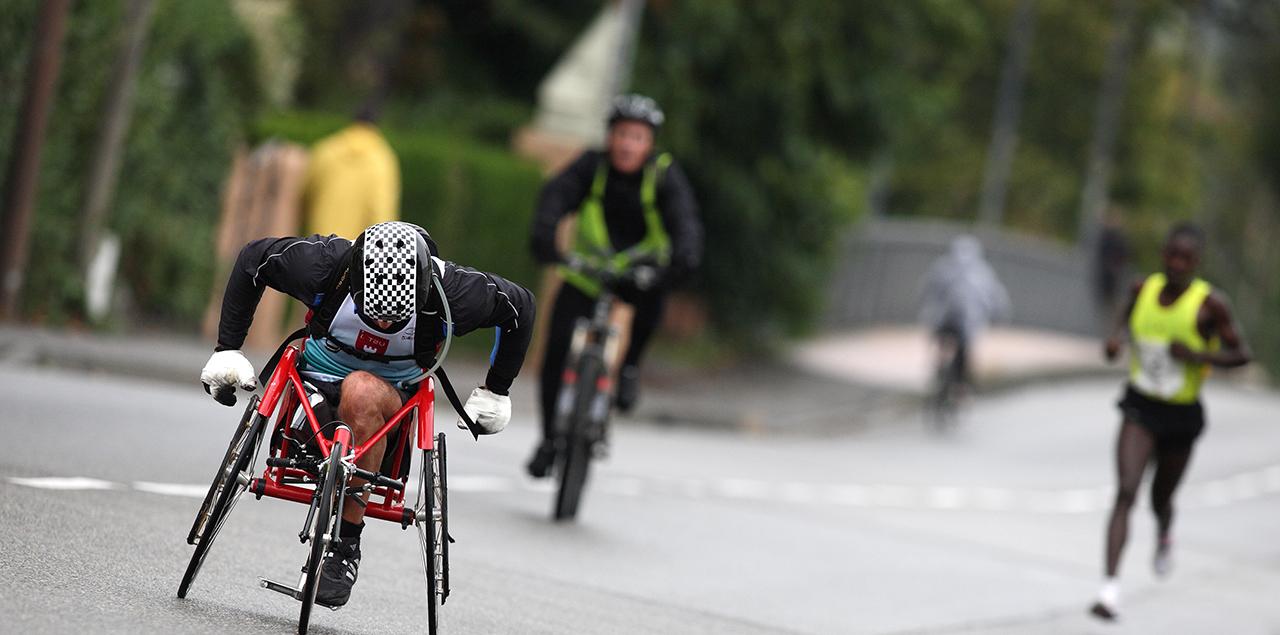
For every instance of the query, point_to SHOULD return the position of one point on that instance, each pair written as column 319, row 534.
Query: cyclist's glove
column 491, row 412
column 645, row 277
column 224, row 371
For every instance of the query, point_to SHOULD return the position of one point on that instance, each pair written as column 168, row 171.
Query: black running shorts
column 1175, row 426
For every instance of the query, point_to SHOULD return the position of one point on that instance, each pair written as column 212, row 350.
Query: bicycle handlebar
column 642, row 273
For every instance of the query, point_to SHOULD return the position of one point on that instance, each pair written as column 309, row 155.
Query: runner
column 1177, row 326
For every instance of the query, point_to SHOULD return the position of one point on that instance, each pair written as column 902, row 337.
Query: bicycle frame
column 282, row 480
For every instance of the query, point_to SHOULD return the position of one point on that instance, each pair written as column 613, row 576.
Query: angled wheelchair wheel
column 231, row 480
column 574, row 459
column 431, row 515
column 324, row 528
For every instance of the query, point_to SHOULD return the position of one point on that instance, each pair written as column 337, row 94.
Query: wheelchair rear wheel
column 228, row 484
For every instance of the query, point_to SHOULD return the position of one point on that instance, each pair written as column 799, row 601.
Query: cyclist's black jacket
column 623, row 210
column 306, row 268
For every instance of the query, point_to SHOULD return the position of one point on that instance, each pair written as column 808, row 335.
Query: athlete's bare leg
column 366, row 403
column 1170, row 466
column 1133, row 451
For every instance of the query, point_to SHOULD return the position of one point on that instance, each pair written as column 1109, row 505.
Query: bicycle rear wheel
column 575, row 457
column 324, row 528
column 231, row 480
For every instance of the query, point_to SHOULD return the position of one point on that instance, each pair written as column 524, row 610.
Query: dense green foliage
column 791, row 119
column 195, row 92
column 476, row 201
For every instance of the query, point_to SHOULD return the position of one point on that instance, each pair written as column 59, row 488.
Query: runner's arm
column 1120, row 333
column 1233, row 352
column 299, row 267
column 484, row 300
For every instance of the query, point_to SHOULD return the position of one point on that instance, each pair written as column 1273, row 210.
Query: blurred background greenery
column 793, row 120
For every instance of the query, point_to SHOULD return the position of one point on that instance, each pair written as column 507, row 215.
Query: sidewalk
column 900, row 358
column 831, row 385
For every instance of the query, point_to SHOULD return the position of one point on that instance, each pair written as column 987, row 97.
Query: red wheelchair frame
column 324, row 482
column 276, row 481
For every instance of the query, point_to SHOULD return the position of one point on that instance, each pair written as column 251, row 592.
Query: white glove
column 224, row 371
column 490, row 412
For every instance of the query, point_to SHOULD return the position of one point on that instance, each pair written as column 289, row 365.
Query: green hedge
column 477, row 201
column 196, row 89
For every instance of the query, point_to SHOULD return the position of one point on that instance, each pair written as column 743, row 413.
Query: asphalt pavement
column 876, row 528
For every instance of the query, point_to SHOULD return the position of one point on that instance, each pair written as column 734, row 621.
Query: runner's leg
column 1170, row 466
column 1133, row 452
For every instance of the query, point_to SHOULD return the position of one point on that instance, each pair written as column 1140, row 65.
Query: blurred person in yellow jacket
column 352, row 181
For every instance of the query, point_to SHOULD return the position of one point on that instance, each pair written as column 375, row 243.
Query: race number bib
column 1159, row 374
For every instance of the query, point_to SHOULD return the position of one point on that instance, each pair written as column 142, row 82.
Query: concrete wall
column 879, row 276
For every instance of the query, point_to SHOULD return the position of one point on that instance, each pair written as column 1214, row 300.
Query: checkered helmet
column 391, row 270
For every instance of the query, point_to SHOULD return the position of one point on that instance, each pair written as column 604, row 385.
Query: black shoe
column 628, row 388
column 338, row 573
column 1103, row 612
column 540, row 465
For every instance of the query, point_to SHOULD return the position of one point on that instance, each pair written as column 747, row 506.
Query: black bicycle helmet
column 391, row 271
column 636, row 108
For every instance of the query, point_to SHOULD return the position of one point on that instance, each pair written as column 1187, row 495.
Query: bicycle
column 306, row 467
column 948, row 384
column 586, row 390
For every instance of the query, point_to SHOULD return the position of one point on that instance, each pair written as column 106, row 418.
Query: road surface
column 997, row 528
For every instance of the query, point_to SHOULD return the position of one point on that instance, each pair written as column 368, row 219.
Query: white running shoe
column 1163, row 560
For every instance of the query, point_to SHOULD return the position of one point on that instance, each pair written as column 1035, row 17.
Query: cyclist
column 376, row 319
column 633, row 203
column 961, row 297
column 1177, row 326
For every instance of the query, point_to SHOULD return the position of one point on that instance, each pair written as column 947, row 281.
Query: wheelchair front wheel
column 229, row 483
column 324, row 527
column 431, row 518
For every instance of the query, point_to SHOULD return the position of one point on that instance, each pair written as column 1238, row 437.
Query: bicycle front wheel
column 575, row 457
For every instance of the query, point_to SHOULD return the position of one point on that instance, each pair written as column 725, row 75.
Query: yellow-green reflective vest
column 592, row 240
column 1152, row 327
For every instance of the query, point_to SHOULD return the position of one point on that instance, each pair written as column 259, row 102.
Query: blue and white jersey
column 329, row 363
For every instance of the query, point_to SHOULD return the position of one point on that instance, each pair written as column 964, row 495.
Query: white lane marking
column 172, row 489
column 64, row 483
column 477, row 483
column 948, row 498
column 1218, row 492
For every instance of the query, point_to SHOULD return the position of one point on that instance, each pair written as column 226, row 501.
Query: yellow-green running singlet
column 1152, row 328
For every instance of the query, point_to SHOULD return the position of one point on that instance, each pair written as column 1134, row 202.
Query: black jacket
column 305, row 267
column 623, row 210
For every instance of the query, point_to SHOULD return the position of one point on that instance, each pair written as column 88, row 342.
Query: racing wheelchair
column 307, row 466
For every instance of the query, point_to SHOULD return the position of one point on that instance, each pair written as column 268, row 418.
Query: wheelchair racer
column 376, row 319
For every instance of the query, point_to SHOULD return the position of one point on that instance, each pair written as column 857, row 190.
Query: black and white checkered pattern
column 390, row 271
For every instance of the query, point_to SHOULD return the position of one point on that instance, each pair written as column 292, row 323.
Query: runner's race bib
column 1159, row 374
